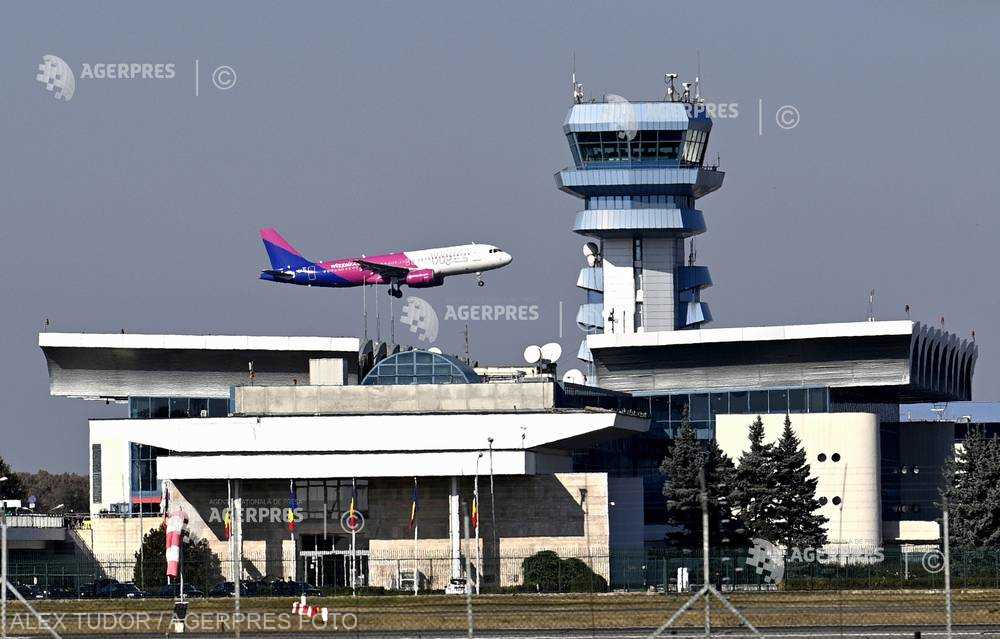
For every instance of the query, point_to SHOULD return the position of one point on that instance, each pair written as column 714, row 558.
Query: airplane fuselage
column 418, row 269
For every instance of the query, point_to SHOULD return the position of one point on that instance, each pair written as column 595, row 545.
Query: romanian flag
column 475, row 512
column 293, row 505
column 415, row 505
column 352, row 513
column 228, row 520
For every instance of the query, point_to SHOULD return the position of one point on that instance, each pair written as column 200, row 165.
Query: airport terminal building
column 317, row 422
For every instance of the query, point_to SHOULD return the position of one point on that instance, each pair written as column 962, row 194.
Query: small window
column 836, row 501
column 835, row 457
column 821, row 457
column 822, row 501
column 95, row 473
column 758, row 402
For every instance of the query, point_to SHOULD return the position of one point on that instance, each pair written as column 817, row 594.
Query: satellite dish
column 551, row 352
column 532, row 354
column 590, row 249
column 434, row 349
column 574, row 376
column 591, row 260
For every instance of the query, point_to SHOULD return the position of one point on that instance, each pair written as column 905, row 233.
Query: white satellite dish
column 591, row 260
column 434, row 349
column 574, row 376
column 551, row 352
column 590, row 249
column 532, row 354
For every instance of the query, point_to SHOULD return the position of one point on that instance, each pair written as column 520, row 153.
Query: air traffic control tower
column 638, row 168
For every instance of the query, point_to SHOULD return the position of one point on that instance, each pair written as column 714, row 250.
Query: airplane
column 416, row 269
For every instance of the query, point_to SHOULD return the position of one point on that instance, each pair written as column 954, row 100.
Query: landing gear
column 479, row 280
column 394, row 289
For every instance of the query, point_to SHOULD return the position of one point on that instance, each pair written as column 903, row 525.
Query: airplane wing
column 391, row 272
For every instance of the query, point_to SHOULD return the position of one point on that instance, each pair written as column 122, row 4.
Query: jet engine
column 423, row 278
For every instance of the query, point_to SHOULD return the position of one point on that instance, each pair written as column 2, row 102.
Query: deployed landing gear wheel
column 395, row 292
column 480, row 283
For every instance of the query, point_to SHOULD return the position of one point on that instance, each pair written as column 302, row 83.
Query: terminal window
column 177, row 407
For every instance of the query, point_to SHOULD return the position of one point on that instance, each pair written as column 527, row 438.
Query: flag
column 352, row 513
column 293, row 505
column 176, row 525
column 415, row 505
column 228, row 520
column 475, row 512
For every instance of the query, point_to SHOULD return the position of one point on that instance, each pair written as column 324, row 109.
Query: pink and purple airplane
column 416, row 269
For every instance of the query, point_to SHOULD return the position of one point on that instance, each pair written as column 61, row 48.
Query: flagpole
column 236, row 532
column 416, row 528
column 475, row 498
column 353, row 524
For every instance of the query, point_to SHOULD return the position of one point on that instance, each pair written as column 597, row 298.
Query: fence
column 525, row 591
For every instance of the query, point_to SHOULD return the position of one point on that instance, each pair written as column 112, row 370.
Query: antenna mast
column 577, row 87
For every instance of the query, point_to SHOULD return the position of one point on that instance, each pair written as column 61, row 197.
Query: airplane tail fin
column 282, row 254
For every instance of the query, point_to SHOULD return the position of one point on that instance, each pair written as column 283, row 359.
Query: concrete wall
column 855, row 478
column 619, row 285
column 660, row 257
column 565, row 512
column 115, row 470
column 418, row 398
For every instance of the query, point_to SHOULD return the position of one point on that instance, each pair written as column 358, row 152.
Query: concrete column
column 453, row 530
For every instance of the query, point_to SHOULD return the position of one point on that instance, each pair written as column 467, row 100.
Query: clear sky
column 368, row 127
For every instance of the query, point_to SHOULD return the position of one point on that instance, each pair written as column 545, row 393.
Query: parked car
column 29, row 591
column 128, row 591
column 457, row 586
column 98, row 588
column 173, row 591
column 295, row 589
column 223, row 589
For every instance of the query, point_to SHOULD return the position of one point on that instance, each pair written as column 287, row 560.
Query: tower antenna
column 871, row 305
column 697, row 79
column 668, row 79
column 577, row 87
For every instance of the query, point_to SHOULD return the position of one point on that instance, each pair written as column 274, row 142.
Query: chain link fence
column 622, row 592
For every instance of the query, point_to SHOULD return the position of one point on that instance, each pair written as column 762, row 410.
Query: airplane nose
column 507, row 258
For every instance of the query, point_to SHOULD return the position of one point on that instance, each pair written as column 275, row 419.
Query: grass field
column 517, row 612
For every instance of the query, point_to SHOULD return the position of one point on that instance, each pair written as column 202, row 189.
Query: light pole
column 3, row 562
column 493, row 508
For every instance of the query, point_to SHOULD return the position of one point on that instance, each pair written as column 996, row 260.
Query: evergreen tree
column 202, row 567
column 683, row 467
column 755, row 483
column 796, row 523
column 13, row 488
column 972, row 490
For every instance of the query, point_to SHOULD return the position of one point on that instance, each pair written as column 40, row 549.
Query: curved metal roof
column 420, row 367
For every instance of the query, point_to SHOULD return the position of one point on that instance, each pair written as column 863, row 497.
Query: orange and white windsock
column 176, row 523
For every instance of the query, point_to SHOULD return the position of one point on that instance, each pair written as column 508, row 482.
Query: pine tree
column 972, row 490
column 755, row 483
column 202, row 567
column 683, row 467
column 796, row 523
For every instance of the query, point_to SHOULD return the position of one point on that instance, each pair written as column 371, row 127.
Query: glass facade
column 648, row 147
column 164, row 407
column 668, row 410
column 145, row 488
column 332, row 497
column 420, row 367
column 641, row 202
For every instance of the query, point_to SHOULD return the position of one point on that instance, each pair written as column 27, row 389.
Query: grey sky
column 368, row 127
